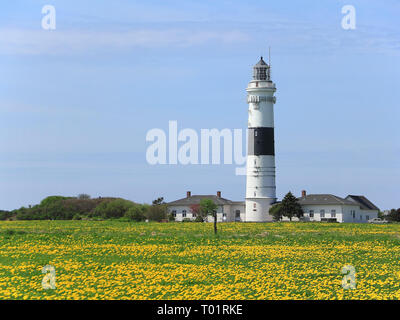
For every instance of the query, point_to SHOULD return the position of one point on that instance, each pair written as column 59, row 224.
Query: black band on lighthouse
column 261, row 142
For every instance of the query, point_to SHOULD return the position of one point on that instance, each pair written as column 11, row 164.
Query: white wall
column 344, row 213
column 229, row 210
column 369, row 214
column 242, row 208
column 317, row 212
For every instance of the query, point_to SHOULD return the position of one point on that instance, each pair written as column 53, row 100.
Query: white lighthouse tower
column 260, row 184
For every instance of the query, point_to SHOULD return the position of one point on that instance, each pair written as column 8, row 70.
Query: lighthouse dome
column 261, row 71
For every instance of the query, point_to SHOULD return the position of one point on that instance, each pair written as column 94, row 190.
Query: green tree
column 276, row 211
column 136, row 213
column 291, row 207
column 394, row 215
column 209, row 207
column 158, row 201
column 157, row 211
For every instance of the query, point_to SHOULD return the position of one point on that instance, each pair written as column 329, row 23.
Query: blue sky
column 76, row 103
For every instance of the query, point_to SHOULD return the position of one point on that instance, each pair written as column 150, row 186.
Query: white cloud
column 25, row 41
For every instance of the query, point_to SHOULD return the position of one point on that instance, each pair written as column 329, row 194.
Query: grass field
column 122, row 260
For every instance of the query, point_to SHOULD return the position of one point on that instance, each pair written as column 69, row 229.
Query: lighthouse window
column 255, row 194
column 254, row 205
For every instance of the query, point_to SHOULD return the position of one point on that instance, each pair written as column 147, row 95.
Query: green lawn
column 122, row 260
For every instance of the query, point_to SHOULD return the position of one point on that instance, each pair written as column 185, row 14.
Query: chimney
column 188, row 194
column 303, row 194
column 219, row 194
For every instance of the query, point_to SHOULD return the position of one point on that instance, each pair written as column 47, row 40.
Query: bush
column 67, row 208
column 157, row 212
column 5, row 215
column 136, row 213
column 199, row 219
column 51, row 200
column 24, row 214
column 113, row 209
column 394, row 215
column 276, row 211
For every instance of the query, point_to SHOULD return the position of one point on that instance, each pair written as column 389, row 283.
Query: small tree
column 207, row 206
column 158, row 210
column 290, row 207
column 158, row 201
column 276, row 211
column 195, row 209
column 83, row 196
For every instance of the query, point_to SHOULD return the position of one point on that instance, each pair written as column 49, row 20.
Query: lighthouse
column 260, row 182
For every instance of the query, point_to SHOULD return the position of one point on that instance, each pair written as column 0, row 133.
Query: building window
column 224, row 215
column 237, row 213
column 333, row 213
column 173, row 213
column 322, row 213
column 367, row 218
column 183, row 213
column 311, row 213
column 360, row 217
column 194, row 215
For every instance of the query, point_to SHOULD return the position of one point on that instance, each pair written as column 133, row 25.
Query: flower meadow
column 123, row 260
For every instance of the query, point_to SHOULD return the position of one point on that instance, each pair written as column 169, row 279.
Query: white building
column 328, row 207
column 316, row 207
column 228, row 211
